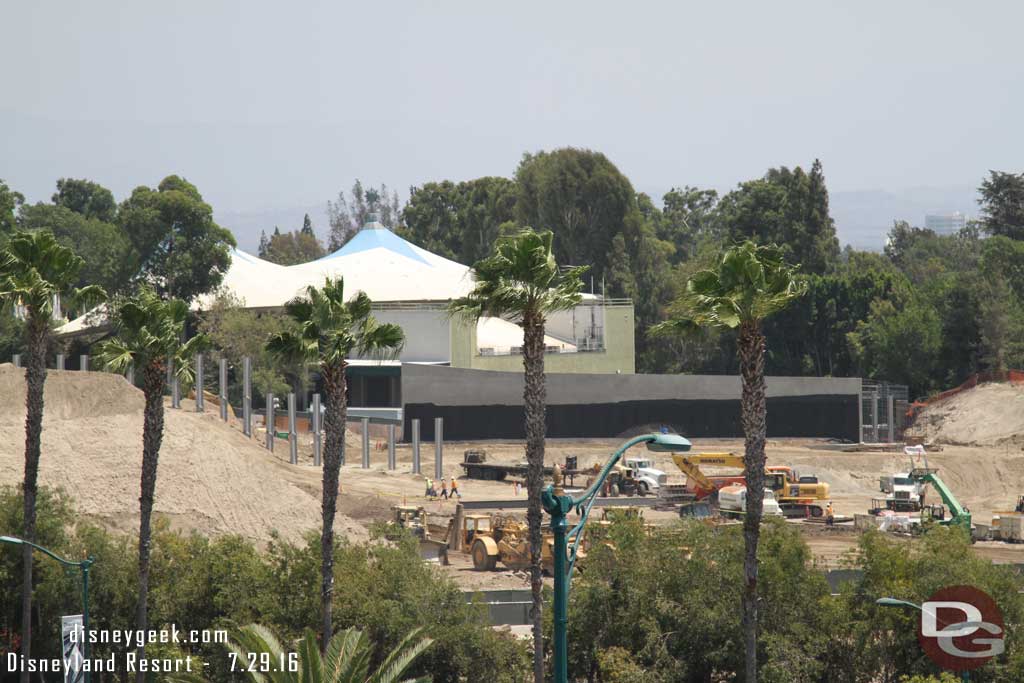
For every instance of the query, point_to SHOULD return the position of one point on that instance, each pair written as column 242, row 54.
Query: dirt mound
column 987, row 415
column 211, row 478
column 69, row 395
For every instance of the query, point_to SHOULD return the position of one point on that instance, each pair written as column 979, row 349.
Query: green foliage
column 108, row 258
column 346, row 660
column 291, row 248
column 521, row 279
column 239, row 332
column 180, row 249
column 663, row 606
column 581, row 197
column 348, row 215
column 788, row 208
column 10, row 200
column 687, row 218
column 12, row 336
column 330, row 329
column 86, row 198
column 671, row 598
column 383, row 590
column 460, row 221
column 149, row 330
column 899, row 343
column 35, row 268
column 749, row 284
column 1002, row 204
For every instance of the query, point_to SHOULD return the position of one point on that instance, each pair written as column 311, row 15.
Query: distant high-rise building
column 945, row 223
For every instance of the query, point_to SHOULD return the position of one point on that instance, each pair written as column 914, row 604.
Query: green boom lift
column 958, row 514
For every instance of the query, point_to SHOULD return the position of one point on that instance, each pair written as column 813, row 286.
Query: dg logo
column 961, row 628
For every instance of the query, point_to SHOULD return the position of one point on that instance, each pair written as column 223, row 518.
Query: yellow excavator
column 796, row 495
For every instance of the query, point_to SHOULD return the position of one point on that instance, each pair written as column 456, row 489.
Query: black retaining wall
column 822, row 416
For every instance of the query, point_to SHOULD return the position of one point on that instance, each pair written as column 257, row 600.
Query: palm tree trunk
column 334, row 453
column 154, row 381
column 35, row 378
column 534, row 402
column 754, row 415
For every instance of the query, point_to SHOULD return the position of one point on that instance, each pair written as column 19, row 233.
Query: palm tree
column 330, row 330
column 346, row 658
column 749, row 284
column 35, row 273
column 522, row 282
column 148, row 334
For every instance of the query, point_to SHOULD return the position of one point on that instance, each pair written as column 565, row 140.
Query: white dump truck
column 732, row 501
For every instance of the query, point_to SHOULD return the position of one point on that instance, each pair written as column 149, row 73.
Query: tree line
column 928, row 312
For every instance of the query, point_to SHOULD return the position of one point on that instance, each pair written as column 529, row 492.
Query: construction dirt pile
column 211, row 478
column 987, row 415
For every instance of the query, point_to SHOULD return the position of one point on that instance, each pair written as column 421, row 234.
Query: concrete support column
column 416, row 446
column 60, row 361
column 391, row 447
column 247, row 396
column 200, row 399
column 172, row 380
column 874, row 416
column 83, row 362
column 317, row 432
column 438, row 447
column 130, row 374
column 293, row 436
column 366, row 442
column 890, row 418
column 16, row 359
column 860, row 415
column 222, row 388
column 270, row 422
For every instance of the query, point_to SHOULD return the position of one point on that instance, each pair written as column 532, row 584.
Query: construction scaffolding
column 883, row 411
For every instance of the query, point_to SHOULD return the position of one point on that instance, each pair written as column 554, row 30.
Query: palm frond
column 401, row 658
column 521, row 275
column 750, row 283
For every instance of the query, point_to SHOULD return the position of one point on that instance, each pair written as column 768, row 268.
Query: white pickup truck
column 732, row 501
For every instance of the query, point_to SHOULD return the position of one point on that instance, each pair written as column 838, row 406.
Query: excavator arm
column 693, row 474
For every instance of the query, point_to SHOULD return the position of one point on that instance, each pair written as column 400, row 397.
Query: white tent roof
column 375, row 260
column 501, row 335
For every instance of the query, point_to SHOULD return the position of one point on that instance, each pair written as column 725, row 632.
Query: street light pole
column 558, row 505
column 84, row 566
column 965, row 676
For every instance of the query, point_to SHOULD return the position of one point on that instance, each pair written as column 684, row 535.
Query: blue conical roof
column 374, row 235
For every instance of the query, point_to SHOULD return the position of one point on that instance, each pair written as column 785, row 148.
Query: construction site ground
column 215, row 480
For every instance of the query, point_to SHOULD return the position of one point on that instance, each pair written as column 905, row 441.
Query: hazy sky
column 271, row 104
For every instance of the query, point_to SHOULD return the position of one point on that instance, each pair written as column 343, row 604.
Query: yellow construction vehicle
column 490, row 539
column 797, row 496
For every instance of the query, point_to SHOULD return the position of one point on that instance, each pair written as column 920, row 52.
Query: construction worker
column 444, row 488
column 430, row 488
column 455, row 488
column 830, row 515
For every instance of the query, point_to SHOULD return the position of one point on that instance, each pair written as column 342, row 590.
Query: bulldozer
column 411, row 517
column 490, row 539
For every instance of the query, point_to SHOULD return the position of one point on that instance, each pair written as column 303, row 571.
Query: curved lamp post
column 559, row 505
column 84, row 566
column 893, row 602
